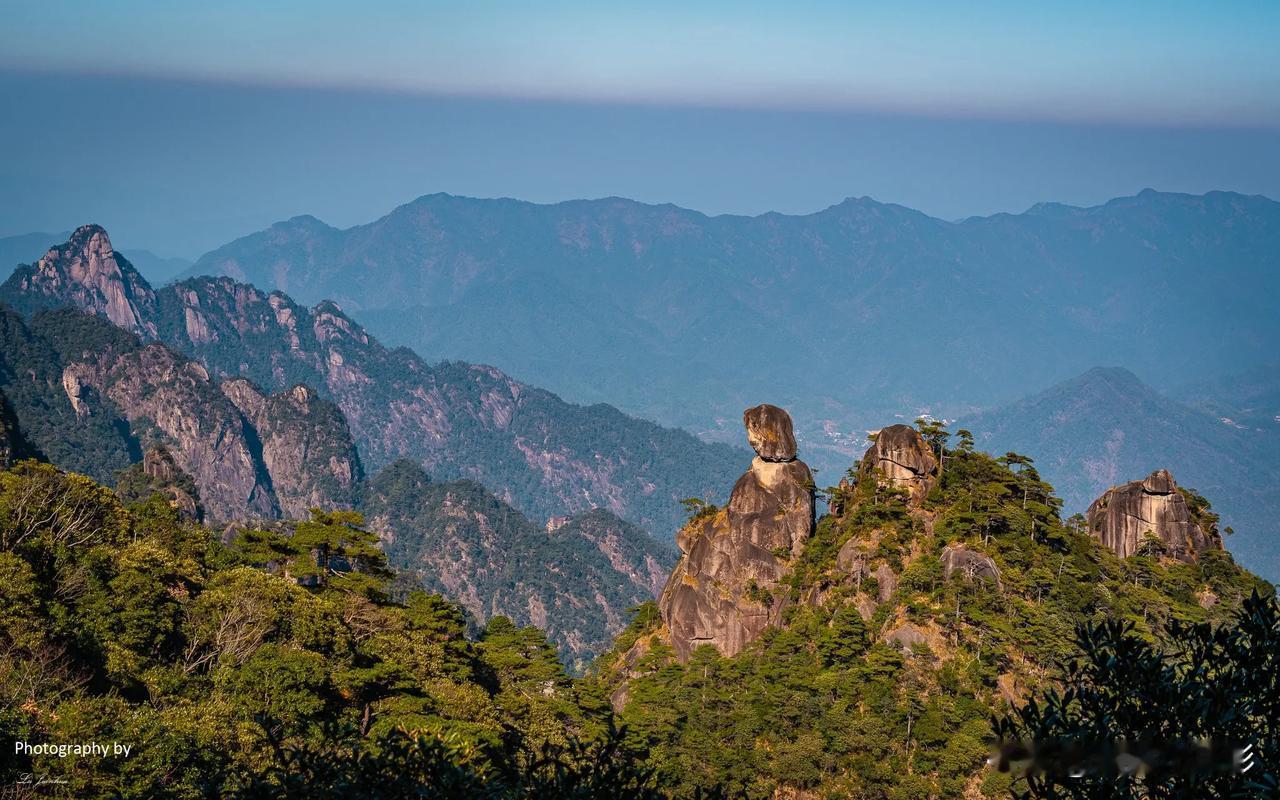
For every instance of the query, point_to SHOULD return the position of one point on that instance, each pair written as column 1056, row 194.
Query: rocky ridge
column 576, row 581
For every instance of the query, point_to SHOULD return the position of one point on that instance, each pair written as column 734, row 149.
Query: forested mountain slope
column 943, row 587
column 1105, row 427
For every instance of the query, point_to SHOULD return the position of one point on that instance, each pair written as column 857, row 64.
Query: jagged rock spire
column 85, row 273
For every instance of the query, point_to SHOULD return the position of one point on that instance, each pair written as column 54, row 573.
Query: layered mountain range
column 686, row 318
column 268, row 410
column 542, row 455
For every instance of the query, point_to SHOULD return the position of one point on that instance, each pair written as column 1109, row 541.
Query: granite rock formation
column 86, row 272
column 539, row 453
column 958, row 560
column 903, row 460
column 721, row 592
column 158, row 473
column 306, row 447
column 1124, row 515
column 175, row 402
column 576, row 582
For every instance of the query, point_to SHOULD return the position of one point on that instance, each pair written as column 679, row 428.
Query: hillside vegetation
column 894, row 655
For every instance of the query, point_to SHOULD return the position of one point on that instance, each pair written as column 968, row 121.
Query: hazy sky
column 180, row 125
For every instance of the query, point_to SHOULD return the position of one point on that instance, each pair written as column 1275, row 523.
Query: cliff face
column 1124, row 516
column 306, row 447
column 721, row 592
column 250, row 453
column 543, row 455
column 576, row 581
column 171, row 399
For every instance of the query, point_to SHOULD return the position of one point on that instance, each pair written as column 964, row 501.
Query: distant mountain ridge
column 1105, row 427
column 686, row 318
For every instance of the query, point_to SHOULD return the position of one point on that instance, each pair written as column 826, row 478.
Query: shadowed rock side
column 721, row 591
column 1124, row 515
column 903, row 460
column 174, row 401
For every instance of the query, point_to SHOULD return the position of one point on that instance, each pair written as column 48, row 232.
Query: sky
column 182, row 125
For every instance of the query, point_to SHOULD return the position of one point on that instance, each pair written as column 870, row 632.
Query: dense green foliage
column 840, row 703
column 235, row 669
column 1187, row 710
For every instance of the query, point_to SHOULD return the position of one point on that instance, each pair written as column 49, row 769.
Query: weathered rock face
column 960, row 562
column 721, row 591
column 769, row 433
column 546, row 456
column 88, row 274
column 903, row 460
column 1123, row 516
column 306, row 446
column 575, row 582
column 160, row 391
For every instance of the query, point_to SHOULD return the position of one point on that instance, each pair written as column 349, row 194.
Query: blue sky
column 183, row 125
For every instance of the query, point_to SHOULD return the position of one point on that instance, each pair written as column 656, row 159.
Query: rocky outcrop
column 1124, row 516
column 158, row 473
column 171, row 400
column 722, row 591
column 88, row 274
column 900, row 458
column 306, row 446
column 959, row 561
column 545, row 456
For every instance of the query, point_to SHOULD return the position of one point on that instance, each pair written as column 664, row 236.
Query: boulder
column 1124, row 515
column 769, row 433
column 906, row 636
column 851, row 560
column 970, row 565
column 721, row 591
column 899, row 457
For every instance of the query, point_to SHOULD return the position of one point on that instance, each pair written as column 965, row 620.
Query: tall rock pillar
column 724, row 590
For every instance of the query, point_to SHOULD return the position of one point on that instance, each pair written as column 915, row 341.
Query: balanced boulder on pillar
column 722, row 592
